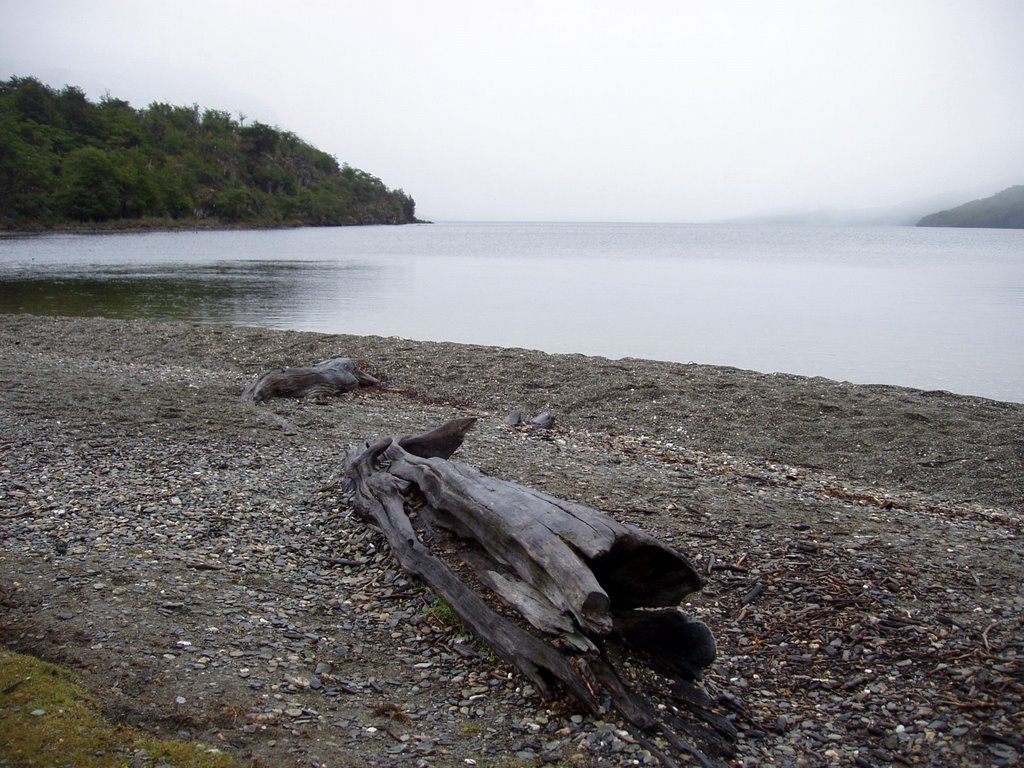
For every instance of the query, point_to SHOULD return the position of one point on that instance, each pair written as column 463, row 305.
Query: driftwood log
column 595, row 591
column 328, row 377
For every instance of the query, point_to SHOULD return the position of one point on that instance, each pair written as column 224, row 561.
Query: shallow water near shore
column 927, row 308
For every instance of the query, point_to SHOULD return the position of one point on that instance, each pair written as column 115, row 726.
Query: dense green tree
column 233, row 204
column 136, row 184
column 28, row 174
column 89, row 189
column 65, row 159
column 33, row 101
column 79, row 115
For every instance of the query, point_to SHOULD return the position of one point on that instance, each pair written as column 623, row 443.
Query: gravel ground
column 191, row 557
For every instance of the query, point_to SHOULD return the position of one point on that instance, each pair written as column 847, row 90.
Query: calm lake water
column 929, row 308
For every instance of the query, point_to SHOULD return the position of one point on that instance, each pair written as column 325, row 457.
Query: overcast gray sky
column 552, row 110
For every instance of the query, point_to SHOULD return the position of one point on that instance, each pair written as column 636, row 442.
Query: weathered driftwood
column 587, row 582
column 328, row 377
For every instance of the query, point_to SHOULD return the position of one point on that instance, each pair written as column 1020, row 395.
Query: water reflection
column 247, row 292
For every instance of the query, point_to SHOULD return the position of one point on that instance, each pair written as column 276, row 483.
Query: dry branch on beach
column 328, row 377
column 585, row 581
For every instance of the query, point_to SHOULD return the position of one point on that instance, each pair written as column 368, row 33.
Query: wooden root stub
column 328, row 377
column 594, row 590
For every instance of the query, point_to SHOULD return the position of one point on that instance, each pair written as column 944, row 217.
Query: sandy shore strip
column 862, row 546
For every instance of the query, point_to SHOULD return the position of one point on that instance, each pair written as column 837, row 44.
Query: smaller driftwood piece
column 328, row 377
column 594, row 592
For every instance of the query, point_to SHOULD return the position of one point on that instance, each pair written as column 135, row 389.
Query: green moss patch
column 47, row 719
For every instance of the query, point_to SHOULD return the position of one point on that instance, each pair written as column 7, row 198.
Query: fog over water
column 659, row 110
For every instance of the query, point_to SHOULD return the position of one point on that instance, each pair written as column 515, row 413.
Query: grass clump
column 47, row 719
column 445, row 615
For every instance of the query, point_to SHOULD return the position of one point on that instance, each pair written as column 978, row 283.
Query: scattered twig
column 984, row 635
column 203, row 565
column 753, row 594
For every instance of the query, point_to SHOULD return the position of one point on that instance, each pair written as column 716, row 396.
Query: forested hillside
column 65, row 160
column 1004, row 210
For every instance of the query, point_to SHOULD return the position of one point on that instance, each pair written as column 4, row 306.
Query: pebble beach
column 194, row 559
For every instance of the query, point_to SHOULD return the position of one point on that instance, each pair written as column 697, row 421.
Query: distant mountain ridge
column 1003, row 210
column 905, row 213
